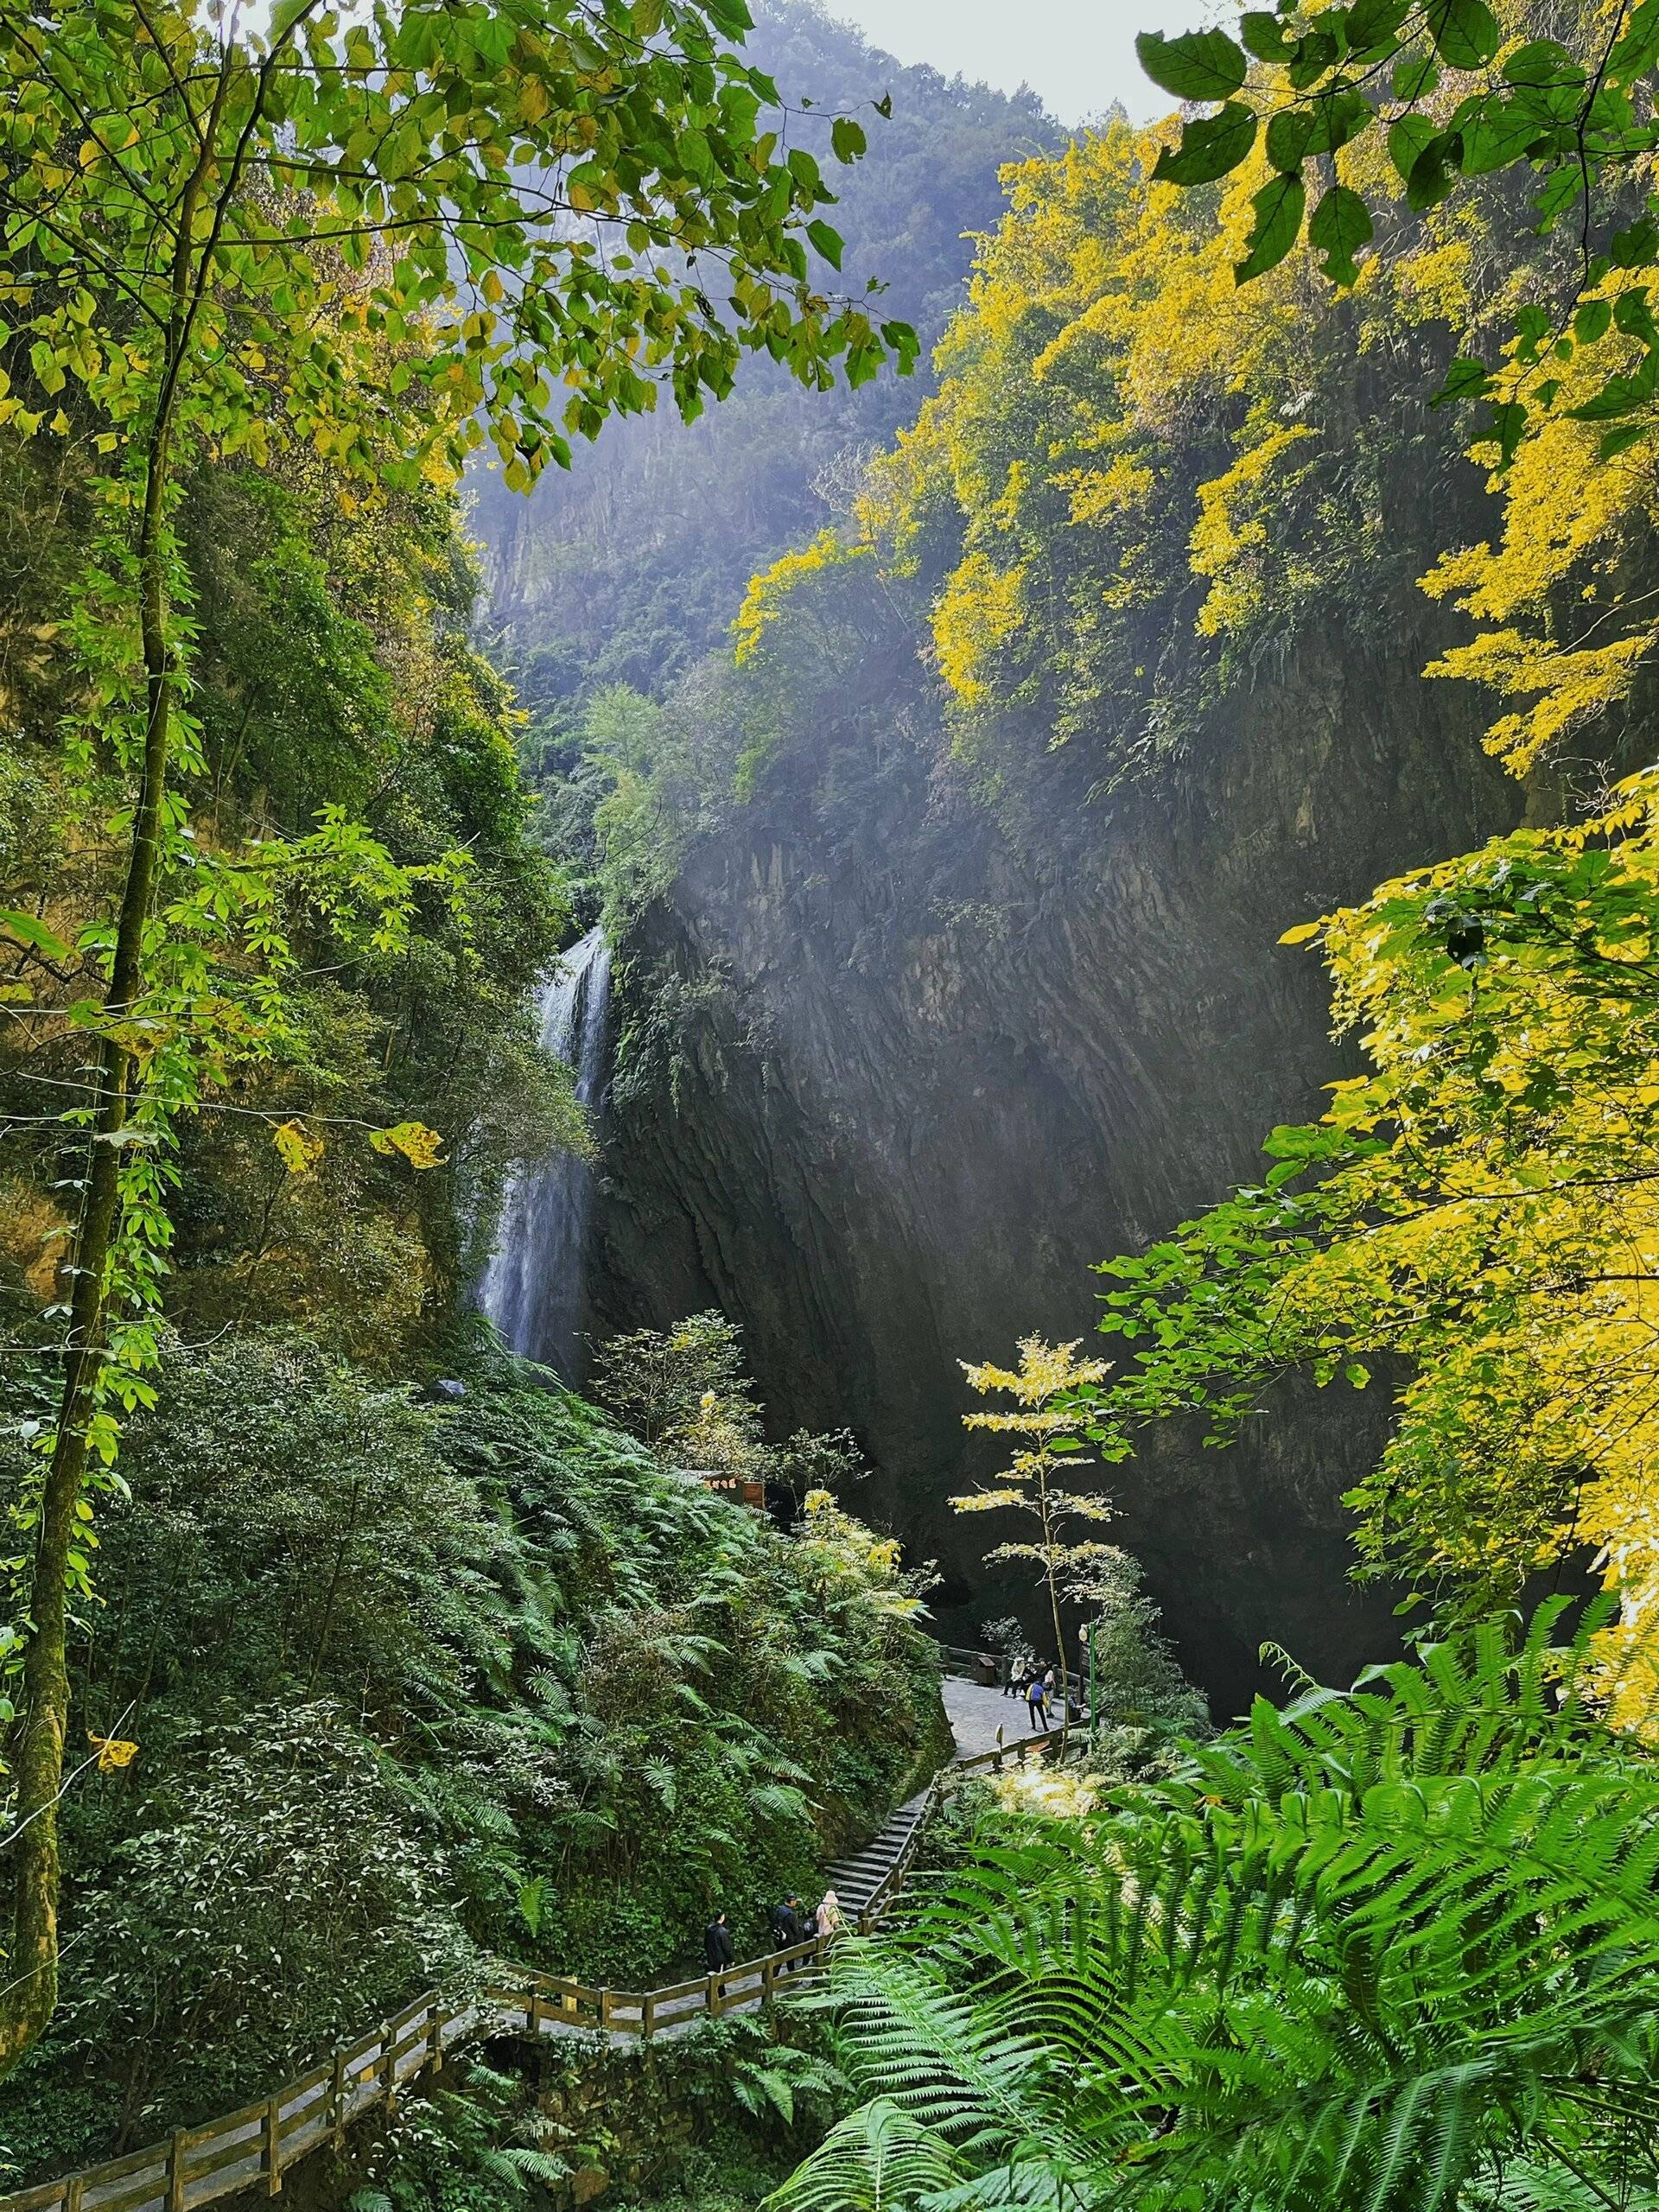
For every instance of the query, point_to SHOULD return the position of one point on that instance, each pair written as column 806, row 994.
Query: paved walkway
column 976, row 1714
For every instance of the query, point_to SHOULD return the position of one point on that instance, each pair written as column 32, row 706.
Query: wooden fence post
column 604, row 2011
column 714, row 1996
column 338, row 2095
column 274, row 2147
column 175, row 2172
column 648, row 2014
column 434, row 2057
column 72, row 2191
column 388, row 2067
column 535, row 2011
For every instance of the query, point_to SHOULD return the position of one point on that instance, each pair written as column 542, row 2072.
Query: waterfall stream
column 532, row 1287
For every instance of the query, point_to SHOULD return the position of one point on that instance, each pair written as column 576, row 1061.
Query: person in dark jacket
column 718, row 1943
column 787, row 1923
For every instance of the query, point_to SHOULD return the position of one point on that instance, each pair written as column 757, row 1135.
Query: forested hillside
column 418, row 1685
column 629, row 569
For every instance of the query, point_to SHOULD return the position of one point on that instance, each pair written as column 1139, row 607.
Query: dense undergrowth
column 709, row 2123
column 416, row 1685
column 1389, row 1947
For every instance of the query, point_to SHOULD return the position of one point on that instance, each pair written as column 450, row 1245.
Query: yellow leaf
column 1302, row 934
column 418, row 1144
column 112, row 1752
column 301, row 1148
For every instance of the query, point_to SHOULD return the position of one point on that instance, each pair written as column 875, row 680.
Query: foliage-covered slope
column 629, row 568
column 1394, row 1948
column 411, row 1685
column 334, row 672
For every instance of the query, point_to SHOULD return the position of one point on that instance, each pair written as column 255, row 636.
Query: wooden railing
column 255, row 2147
column 1052, row 1743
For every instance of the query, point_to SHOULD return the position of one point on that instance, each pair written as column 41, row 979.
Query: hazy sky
column 1079, row 54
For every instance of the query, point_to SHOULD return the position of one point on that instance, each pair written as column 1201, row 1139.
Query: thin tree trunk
column 28, row 2004
column 1053, row 1584
column 30, row 1999
column 327, row 1627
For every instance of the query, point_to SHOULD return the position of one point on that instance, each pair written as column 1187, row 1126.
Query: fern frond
column 878, row 2159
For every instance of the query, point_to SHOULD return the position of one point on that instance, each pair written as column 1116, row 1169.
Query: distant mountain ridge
column 630, row 567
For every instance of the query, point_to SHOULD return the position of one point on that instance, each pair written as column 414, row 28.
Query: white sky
column 1078, row 54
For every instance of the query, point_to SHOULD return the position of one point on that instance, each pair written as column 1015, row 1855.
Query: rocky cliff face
column 915, row 1082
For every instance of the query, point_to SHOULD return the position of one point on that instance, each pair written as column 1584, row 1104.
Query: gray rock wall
column 928, row 1079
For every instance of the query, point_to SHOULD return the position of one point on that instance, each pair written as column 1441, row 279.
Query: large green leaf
column 27, row 929
column 1341, row 223
column 1465, row 32
column 1279, row 208
column 1212, row 146
column 1198, row 66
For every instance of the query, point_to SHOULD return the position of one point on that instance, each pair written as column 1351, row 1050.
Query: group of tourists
column 790, row 1925
column 1037, row 1682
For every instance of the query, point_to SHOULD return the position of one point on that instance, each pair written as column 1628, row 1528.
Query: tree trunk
column 32, row 1969
column 1053, row 1582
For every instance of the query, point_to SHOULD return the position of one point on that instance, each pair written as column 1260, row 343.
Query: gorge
column 976, row 983
column 694, row 727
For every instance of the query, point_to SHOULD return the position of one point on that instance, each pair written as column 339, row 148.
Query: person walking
column 718, row 1943
column 829, row 1920
column 1036, row 1703
column 787, row 1929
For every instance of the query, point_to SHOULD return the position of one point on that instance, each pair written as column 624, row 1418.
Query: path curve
column 255, row 2147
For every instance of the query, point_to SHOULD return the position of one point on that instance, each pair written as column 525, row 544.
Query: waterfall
column 532, row 1287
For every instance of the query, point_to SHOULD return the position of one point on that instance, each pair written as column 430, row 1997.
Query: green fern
column 878, row 2159
column 1373, row 1951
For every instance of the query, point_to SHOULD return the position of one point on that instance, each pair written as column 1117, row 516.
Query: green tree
column 1457, row 90
column 211, row 234
column 657, row 1383
column 1133, row 1679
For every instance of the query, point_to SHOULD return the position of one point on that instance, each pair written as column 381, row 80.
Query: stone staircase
column 857, row 1881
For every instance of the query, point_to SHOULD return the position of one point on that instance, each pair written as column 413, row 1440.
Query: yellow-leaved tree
column 1044, row 1388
